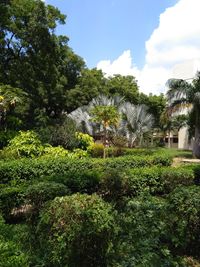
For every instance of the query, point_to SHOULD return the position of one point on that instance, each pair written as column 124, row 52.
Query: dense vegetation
column 66, row 200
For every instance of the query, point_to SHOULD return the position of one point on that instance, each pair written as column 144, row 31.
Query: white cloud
column 175, row 40
column 122, row 65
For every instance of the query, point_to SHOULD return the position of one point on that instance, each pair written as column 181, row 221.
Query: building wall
column 186, row 71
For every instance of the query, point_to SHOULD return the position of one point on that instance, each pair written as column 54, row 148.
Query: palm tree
column 182, row 95
column 138, row 121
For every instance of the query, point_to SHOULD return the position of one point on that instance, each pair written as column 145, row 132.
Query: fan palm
column 182, row 95
column 137, row 121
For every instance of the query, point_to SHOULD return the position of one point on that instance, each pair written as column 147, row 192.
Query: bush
column 55, row 152
column 25, row 169
column 158, row 180
column 10, row 198
column 26, row 144
column 38, row 194
column 61, row 134
column 10, row 249
column 77, row 230
column 96, row 150
column 84, row 140
column 114, row 185
column 86, row 181
column 142, row 234
column 183, row 220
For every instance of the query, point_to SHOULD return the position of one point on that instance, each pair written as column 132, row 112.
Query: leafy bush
column 10, row 249
column 86, row 181
column 174, row 177
column 10, row 198
column 55, row 152
column 77, row 230
column 84, row 140
column 142, row 234
column 24, row 169
column 6, row 136
column 38, row 194
column 96, row 150
column 114, row 185
column 26, row 144
column 184, row 220
column 78, row 154
column 61, row 134
column 158, row 180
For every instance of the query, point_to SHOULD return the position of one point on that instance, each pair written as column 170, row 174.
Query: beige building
column 185, row 71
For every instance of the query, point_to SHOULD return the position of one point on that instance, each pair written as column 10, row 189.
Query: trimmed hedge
column 28, row 169
column 158, row 180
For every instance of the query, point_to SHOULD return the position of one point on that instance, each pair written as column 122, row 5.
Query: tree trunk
column 196, row 145
column 169, row 141
column 104, row 142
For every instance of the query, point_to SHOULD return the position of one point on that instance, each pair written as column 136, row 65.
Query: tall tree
column 125, row 86
column 182, row 95
column 138, row 121
column 33, row 58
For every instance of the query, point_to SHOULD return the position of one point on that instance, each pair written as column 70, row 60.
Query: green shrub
column 96, row 150
column 10, row 198
column 10, row 249
column 114, row 185
column 55, row 152
column 78, row 154
column 197, row 174
column 26, row 144
column 6, row 136
column 86, row 181
column 77, row 230
column 183, row 220
column 143, row 233
column 26, row 169
column 158, row 180
column 38, row 194
column 84, row 140
column 60, row 134
column 174, row 177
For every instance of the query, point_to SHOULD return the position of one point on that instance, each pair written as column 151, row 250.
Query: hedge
column 28, row 169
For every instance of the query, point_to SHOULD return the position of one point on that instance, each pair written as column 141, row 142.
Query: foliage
column 156, row 105
column 34, row 59
column 96, row 150
column 73, row 227
column 137, row 122
column 55, row 152
column 142, row 234
column 86, row 181
column 37, row 194
column 25, row 169
column 125, row 86
column 61, row 133
column 183, row 95
column 10, row 197
column 84, row 140
column 10, row 249
column 184, row 220
column 26, row 144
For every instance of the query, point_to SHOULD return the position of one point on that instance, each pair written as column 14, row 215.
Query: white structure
column 185, row 71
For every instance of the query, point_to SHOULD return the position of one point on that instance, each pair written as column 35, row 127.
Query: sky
column 143, row 38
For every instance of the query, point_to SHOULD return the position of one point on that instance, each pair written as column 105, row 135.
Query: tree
column 125, row 86
column 156, row 105
column 34, row 59
column 90, row 84
column 12, row 102
column 137, row 121
column 182, row 95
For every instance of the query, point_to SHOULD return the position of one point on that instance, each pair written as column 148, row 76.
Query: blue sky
column 143, row 38
column 103, row 29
